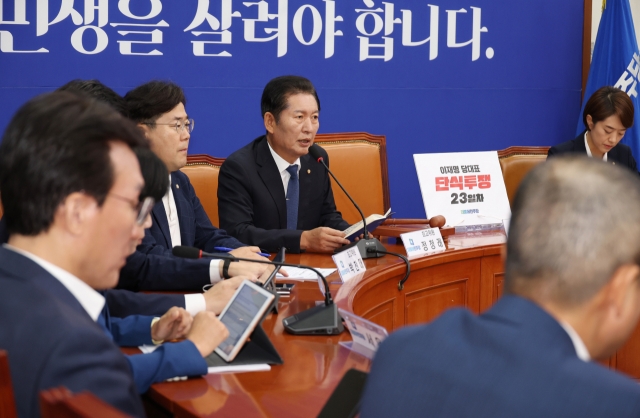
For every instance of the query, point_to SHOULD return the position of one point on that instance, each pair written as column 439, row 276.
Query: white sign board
column 349, row 263
column 366, row 335
column 426, row 242
column 466, row 188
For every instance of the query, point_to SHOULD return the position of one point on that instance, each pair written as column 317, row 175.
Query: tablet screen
column 241, row 315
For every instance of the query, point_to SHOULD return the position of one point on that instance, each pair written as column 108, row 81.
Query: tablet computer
column 241, row 315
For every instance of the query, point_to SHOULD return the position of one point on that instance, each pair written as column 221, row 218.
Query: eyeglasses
column 143, row 208
column 178, row 126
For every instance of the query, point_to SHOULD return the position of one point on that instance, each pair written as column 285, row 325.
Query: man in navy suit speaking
column 271, row 192
column 572, row 295
column 178, row 219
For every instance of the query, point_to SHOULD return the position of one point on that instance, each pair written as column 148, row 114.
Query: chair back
column 359, row 161
column 7, row 399
column 516, row 162
column 61, row 403
column 203, row 171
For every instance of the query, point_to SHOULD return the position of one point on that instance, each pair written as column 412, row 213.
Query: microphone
column 368, row 247
column 319, row 320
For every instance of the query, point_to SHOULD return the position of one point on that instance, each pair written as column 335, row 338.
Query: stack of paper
column 296, row 273
column 230, row 368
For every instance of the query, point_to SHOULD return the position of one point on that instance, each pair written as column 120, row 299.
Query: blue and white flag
column 616, row 62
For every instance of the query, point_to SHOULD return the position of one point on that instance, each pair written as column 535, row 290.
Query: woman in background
column 607, row 116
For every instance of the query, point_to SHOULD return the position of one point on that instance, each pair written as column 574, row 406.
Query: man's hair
column 277, row 92
column 154, row 173
column 575, row 221
column 146, row 103
column 98, row 91
column 57, row 144
column 607, row 101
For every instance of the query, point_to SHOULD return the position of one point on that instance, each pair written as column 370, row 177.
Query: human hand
column 261, row 271
column 322, row 239
column 219, row 295
column 173, row 324
column 362, row 236
column 246, row 252
column 207, row 332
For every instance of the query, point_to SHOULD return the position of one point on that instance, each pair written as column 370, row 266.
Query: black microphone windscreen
column 183, row 251
column 314, row 150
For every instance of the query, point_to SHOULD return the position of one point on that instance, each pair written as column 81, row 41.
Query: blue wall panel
column 527, row 93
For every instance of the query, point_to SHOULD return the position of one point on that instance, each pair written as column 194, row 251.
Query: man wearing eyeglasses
column 179, row 219
column 70, row 185
column 122, row 302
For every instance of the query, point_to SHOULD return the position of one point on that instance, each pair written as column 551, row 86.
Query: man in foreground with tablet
column 70, row 185
column 572, row 294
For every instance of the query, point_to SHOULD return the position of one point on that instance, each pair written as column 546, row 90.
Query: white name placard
column 425, row 242
column 349, row 263
column 366, row 335
column 466, row 188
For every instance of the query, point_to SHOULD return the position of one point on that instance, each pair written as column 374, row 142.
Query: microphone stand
column 368, row 247
column 319, row 320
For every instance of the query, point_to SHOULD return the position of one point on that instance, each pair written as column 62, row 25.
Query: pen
column 226, row 250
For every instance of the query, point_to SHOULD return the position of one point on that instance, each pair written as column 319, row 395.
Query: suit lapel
column 178, row 188
column 160, row 218
column 578, row 144
column 268, row 172
column 615, row 155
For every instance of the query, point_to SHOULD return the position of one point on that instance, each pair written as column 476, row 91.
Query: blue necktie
column 292, row 197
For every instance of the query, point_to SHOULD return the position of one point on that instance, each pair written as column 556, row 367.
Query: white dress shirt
column 91, row 301
column 282, row 165
column 193, row 303
column 578, row 344
column 586, row 145
column 169, row 203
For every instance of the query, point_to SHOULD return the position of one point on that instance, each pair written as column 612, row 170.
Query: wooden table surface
column 313, row 365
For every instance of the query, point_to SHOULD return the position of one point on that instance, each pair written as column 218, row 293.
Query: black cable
column 405, row 259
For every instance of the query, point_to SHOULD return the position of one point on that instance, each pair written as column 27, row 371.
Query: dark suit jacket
column 123, row 303
column 52, row 341
column 619, row 155
column 252, row 204
column 128, row 317
column 515, row 360
column 153, row 267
